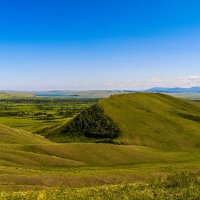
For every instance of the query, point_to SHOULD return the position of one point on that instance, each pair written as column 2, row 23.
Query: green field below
column 30, row 162
column 33, row 167
column 174, row 186
column 33, row 114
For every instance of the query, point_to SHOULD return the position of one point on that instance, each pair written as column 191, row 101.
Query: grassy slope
column 29, row 162
column 14, row 141
column 155, row 120
column 16, row 136
column 18, row 147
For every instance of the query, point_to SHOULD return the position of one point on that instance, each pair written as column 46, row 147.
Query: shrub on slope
column 92, row 123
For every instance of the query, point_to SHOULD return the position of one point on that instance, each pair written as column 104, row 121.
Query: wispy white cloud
column 190, row 81
column 156, row 81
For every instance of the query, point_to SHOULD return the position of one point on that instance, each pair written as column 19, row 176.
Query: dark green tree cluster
column 92, row 123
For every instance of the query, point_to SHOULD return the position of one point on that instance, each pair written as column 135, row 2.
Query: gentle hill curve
column 15, row 150
column 19, row 148
column 15, row 136
column 143, row 119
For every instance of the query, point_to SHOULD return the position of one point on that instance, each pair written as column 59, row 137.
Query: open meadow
column 33, row 167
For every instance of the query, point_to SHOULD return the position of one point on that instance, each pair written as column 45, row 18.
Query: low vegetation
column 91, row 123
column 177, row 187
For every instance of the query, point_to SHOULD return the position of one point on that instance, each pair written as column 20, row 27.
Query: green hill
column 20, row 148
column 16, row 148
column 16, row 136
column 143, row 119
column 31, row 162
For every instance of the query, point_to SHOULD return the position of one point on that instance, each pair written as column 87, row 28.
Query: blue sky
column 101, row 44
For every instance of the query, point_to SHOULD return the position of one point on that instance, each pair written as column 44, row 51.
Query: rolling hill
column 20, row 148
column 15, row 136
column 31, row 162
column 142, row 119
column 149, row 124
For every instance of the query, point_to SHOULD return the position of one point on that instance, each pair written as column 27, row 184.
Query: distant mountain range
column 100, row 93
column 174, row 90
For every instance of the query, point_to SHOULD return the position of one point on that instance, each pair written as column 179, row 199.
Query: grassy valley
column 152, row 136
column 35, row 113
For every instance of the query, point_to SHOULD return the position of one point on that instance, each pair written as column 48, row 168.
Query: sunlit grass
column 176, row 186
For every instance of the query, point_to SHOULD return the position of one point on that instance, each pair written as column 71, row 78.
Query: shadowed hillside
column 144, row 119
